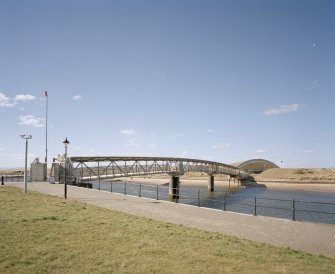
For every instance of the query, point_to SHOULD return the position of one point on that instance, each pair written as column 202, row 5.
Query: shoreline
column 295, row 181
column 301, row 186
column 312, row 187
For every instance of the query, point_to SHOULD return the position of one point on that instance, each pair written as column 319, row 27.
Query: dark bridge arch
column 255, row 166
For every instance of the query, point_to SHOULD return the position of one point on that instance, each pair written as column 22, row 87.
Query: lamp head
column 25, row 136
column 66, row 142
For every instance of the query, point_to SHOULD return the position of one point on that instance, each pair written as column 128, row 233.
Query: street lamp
column 26, row 137
column 66, row 144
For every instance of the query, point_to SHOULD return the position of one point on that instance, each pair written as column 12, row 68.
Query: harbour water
column 297, row 205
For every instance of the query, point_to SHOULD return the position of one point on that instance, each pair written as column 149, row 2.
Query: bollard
column 2, row 180
column 111, row 186
column 156, row 192
column 125, row 188
column 198, row 197
column 293, row 210
column 139, row 191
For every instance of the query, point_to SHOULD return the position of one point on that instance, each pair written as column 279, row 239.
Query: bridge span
column 85, row 168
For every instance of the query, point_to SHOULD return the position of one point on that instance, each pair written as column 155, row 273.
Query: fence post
column 2, row 180
column 293, row 210
column 198, row 197
column 157, row 192
column 125, row 188
column 139, row 191
column 224, row 201
column 255, row 209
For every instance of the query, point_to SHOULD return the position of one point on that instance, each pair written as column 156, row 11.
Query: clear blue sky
column 220, row 80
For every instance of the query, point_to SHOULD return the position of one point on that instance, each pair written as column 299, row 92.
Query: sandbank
column 202, row 182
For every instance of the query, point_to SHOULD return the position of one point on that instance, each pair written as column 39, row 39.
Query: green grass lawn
column 44, row 234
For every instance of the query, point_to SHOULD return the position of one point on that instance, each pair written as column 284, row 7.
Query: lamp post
column 26, row 137
column 46, row 135
column 66, row 143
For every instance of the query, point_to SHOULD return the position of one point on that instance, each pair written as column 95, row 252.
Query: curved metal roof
column 255, row 165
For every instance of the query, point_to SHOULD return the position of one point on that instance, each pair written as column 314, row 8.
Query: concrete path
column 310, row 237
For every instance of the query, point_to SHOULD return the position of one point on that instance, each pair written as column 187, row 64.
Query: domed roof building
column 255, row 166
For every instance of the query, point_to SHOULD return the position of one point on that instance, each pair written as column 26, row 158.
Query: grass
column 44, row 234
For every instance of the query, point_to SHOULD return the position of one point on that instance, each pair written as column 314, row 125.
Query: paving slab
column 310, row 237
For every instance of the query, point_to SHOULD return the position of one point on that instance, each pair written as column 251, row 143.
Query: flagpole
column 46, row 133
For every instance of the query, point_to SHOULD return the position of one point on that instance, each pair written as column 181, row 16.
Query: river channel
column 288, row 204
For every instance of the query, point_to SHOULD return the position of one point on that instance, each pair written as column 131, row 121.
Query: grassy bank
column 44, row 234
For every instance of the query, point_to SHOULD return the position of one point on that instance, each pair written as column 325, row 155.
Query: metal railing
column 11, row 178
column 254, row 205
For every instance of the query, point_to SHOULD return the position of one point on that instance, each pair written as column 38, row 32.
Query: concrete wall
column 38, row 171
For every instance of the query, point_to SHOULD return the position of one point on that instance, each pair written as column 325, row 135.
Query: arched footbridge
column 87, row 168
column 114, row 167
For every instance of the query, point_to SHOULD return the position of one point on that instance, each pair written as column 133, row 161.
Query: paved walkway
column 310, row 237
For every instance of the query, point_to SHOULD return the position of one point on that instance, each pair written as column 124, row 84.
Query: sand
column 328, row 188
column 202, row 182
column 304, row 175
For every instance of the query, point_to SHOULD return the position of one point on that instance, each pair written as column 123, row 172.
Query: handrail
column 156, row 193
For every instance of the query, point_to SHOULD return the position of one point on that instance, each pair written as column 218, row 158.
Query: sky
column 221, row 80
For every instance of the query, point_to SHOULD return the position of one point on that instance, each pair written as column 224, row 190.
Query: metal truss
column 105, row 167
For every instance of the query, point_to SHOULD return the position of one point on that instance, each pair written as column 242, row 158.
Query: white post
column 26, row 137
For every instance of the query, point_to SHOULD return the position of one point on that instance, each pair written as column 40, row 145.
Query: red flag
column 46, row 93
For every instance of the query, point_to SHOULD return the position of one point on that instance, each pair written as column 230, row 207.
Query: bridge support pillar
column 210, row 182
column 174, row 187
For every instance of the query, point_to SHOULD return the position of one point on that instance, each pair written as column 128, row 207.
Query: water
column 308, row 206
